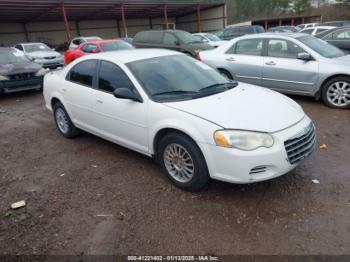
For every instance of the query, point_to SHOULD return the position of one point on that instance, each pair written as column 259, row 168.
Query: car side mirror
column 126, row 93
column 177, row 42
column 304, row 57
column 94, row 51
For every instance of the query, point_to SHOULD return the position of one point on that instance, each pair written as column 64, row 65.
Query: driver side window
column 90, row 48
column 283, row 49
column 169, row 39
column 112, row 77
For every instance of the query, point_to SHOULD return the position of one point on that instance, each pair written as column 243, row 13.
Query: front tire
column 336, row 92
column 183, row 162
column 63, row 122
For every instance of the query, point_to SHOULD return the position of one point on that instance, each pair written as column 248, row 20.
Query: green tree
column 300, row 6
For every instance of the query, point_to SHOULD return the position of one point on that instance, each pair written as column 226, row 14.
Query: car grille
column 50, row 57
column 302, row 145
column 19, row 77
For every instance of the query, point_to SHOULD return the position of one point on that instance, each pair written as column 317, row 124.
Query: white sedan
column 196, row 123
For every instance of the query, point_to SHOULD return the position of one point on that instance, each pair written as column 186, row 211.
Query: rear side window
column 112, row 77
column 77, row 41
column 247, row 30
column 308, row 31
column 152, row 37
column 343, row 35
column 90, row 48
column 83, row 73
column 169, row 39
column 249, row 47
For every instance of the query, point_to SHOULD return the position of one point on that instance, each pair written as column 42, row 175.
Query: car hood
column 245, row 107
column 343, row 60
column 8, row 69
column 43, row 54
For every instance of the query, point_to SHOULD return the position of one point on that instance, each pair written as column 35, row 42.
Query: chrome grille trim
column 301, row 145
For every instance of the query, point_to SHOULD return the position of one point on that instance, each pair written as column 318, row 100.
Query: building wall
column 54, row 33
column 211, row 20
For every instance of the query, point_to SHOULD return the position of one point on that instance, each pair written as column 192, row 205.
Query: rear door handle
column 99, row 101
column 231, row 59
column 271, row 63
column 64, row 90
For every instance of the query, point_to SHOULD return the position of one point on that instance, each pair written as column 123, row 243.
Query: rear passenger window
column 249, row 47
column 112, row 77
column 83, row 73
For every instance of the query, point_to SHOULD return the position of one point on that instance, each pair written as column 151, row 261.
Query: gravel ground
column 90, row 196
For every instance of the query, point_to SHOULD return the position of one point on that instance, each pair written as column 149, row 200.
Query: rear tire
column 183, row 162
column 226, row 74
column 63, row 122
column 336, row 92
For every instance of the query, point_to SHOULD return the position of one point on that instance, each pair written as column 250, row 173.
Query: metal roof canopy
column 24, row 11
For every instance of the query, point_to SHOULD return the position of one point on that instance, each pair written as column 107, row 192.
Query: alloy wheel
column 62, row 120
column 338, row 94
column 178, row 163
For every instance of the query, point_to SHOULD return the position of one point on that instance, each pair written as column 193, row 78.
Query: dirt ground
column 90, row 196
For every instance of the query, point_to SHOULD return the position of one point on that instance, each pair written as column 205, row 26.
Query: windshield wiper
column 226, row 86
column 175, row 92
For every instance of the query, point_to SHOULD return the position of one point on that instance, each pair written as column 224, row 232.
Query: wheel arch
column 325, row 81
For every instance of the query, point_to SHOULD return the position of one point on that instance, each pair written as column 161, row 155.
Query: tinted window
column 19, row 47
column 115, row 45
column 308, row 31
column 90, row 48
column 83, row 73
column 112, row 77
column 77, row 41
column 283, row 49
column 344, row 35
column 246, row 30
column 249, row 47
column 149, row 37
column 169, row 39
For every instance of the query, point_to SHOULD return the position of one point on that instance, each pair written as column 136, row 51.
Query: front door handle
column 99, row 101
column 231, row 59
column 271, row 63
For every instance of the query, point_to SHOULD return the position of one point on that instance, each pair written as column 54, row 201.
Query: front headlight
column 3, row 78
column 41, row 72
column 244, row 140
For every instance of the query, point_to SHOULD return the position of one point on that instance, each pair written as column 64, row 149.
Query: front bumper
column 243, row 167
column 10, row 86
column 50, row 63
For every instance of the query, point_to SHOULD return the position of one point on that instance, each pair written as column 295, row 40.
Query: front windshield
column 115, row 45
column 36, row 47
column 193, row 79
column 213, row 38
column 186, row 37
column 321, row 47
column 12, row 57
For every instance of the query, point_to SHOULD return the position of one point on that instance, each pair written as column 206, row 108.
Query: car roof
column 271, row 34
column 333, row 30
column 132, row 55
column 36, row 43
column 97, row 42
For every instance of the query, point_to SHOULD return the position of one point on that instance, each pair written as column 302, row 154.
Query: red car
column 95, row 47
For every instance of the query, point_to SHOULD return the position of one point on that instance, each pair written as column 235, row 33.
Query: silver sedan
column 288, row 63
